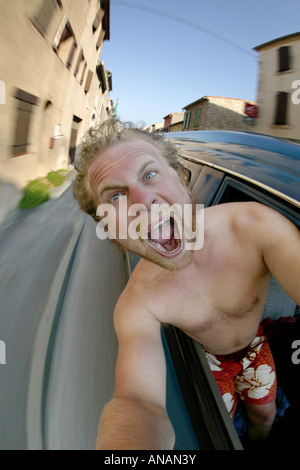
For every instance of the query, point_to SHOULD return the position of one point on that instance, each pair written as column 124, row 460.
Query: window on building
column 73, row 138
column 284, row 59
column 65, row 43
column 102, row 77
column 186, row 121
column 97, row 20
column 100, row 39
column 197, row 116
column 281, row 108
column 88, row 81
column 83, row 72
column 63, row 33
column 43, row 16
column 79, row 65
column 25, row 109
column 72, row 53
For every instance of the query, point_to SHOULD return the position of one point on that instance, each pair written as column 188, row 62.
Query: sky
column 165, row 54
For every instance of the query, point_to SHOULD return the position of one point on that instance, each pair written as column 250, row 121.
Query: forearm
column 127, row 424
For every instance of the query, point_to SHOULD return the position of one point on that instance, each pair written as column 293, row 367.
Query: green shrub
column 35, row 194
column 37, row 191
column 55, row 177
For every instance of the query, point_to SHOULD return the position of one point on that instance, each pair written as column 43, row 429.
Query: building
column 173, row 120
column 177, row 125
column 216, row 113
column 156, row 127
column 278, row 88
column 53, row 85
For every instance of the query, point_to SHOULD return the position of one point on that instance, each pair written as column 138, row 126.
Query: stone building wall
column 217, row 113
column 50, row 91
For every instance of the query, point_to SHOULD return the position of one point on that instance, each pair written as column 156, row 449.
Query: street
column 58, row 287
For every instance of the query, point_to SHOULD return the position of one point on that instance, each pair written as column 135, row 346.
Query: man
column 226, row 282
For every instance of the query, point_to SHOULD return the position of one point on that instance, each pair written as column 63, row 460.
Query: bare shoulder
column 253, row 223
column 235, row 212
column 248, row 212
column 253, row 219
column 133, row 314
column 244, row 217
column 275, row 238
column 237, row 217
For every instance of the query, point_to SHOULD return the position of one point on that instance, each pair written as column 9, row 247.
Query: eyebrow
column 110, row 186
column 146, row 164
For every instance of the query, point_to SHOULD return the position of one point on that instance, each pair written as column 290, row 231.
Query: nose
column 142, row 195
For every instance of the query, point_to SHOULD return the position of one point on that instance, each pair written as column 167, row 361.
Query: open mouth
column 164, row 237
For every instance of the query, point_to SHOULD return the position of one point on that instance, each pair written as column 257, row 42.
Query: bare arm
column 281, row 252
column 136, row 417
column 127, row 424
column 279, row 242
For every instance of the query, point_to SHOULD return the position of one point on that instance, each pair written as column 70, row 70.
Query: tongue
column 169, row 245
column 164, row 235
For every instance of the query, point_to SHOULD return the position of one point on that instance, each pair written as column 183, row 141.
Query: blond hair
column 108, row 134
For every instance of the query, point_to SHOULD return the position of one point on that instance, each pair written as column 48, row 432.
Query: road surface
column 58, row 287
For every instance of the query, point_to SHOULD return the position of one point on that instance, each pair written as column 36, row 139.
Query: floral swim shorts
column 250, row 373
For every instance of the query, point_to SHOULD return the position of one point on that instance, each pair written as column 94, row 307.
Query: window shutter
column 71, row 56
column 43, row 17
column 284, row 58
column 100, row 38
column 188, row 120
column 197, row 117
column 98, row 19
column 25, row 103
column 281, row 108
column 88, row 81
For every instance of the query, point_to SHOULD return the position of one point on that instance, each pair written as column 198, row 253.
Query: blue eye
column 149, row 175
column 115, row 197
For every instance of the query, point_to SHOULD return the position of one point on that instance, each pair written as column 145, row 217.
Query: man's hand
column 136, row 417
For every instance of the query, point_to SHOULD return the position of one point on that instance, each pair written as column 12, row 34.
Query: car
column 224, row 167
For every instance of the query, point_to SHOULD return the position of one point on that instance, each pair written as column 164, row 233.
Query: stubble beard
column 147, row 253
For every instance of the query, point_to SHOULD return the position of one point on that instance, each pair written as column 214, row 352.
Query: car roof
column 263, row 160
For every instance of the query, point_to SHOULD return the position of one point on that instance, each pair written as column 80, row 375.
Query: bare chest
column 221, row 310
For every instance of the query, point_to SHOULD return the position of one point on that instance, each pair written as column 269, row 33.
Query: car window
column 281, row 314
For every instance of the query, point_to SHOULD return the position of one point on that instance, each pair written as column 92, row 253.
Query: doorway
column 73, row 140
